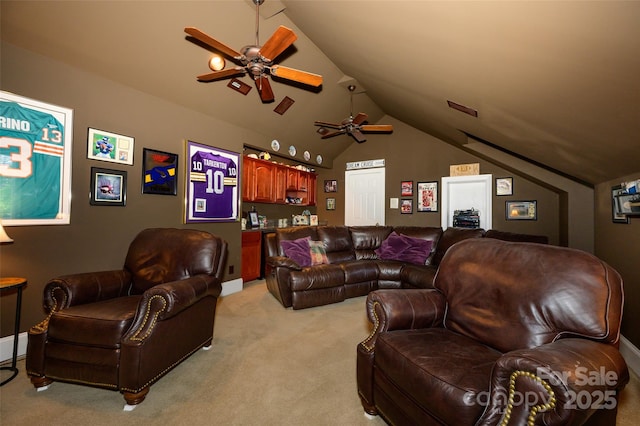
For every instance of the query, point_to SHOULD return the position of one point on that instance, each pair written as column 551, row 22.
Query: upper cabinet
column 267, row 182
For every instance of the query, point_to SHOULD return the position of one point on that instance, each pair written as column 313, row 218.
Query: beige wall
column 412, row 155
column 98, row 237
column 619, row 245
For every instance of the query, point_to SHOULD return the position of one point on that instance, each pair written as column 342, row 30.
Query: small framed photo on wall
column 331, row 185
column 331, row 203
column 504, row 186
column 406, row 206
column 428, row 196
column 108, row 187
column 107, row 146
column 159, row 172
column 521, row 210
column 406, row 188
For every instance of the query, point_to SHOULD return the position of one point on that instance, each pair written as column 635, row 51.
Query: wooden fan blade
column 332, row 134
column 360, row 118
column 210, row 41
column 377, row 128
column 303, row 77
column 264, row 89
column 282, row 38
column 358, row 136
column 217, row 75
column 325, row 124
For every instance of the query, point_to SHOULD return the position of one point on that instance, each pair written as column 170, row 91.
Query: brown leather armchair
column 513, row 333
column 125, row 329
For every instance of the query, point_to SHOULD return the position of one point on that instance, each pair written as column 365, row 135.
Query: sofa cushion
column 516, row 237
column 337, row 243
column 405, row 249
column 418, row 276
column 317, row 253
column 298, row 250
column 431, row 233
column 294, row 233
column 316, row 277
column 366, row 239
column 359, row 271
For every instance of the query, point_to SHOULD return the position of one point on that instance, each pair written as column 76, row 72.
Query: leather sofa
column 125, row 329
column 354, row 266
column 511, row 334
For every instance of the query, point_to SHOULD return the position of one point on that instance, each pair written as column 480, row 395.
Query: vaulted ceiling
column 554, row 82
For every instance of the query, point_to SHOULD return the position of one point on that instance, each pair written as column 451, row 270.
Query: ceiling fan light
column 323, row 130
column 216, row 63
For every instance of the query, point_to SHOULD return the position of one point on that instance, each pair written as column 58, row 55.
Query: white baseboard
column 6, row 343
column 230, row 287
column 6, row 346
column 631, row 355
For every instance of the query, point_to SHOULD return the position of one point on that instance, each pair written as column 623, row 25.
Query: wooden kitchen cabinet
column 251, row 255
column 267, row 182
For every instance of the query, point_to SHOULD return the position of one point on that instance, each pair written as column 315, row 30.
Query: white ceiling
column 557, row 82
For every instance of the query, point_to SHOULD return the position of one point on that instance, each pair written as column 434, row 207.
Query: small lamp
column 216, row 63
column 4, row 238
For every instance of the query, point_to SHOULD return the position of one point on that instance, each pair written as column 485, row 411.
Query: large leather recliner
column 125, row 329
column 512, row 333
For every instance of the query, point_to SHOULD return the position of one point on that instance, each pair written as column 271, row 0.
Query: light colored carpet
column 268, row 366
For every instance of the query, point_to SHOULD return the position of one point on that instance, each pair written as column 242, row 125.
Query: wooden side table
column 11, row 283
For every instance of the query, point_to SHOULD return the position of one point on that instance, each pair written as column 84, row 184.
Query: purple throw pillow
column 297, row 250
column 405, row 249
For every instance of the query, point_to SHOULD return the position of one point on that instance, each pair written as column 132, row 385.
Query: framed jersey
column 35, row 161
column 212, row 186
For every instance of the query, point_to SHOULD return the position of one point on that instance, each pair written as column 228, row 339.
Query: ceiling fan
column 353, row 126
column 256, row 60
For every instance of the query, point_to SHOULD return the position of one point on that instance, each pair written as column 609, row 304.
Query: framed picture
column 35, row 153
column 330, row 186
column 406, row 206
column 212, row 187
column 254, row 220
column 521, row 210
column 331, row 203
column 159, row 172
column 108, row 187
column 406, row 188
column 427, row 196
column 504, row 186
column 107, row 146
column 616, row 214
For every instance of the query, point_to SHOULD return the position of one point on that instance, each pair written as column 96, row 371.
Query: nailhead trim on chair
column 376, row 323
column 146, row 318
column 540, row 408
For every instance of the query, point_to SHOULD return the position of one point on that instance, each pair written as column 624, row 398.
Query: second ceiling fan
column 257, row 60
column 352, row 126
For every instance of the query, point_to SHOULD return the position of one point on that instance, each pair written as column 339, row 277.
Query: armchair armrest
column 402, row 310
column 564, row 382
column 283, row 261
column 394, row 310
column 88, row 287
column 166, row 300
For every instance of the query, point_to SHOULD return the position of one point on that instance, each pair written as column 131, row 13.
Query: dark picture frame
column 406, row 188
column 159, row 172
column 504, row 186
column 254, row 219
column 331, row 185
column 521, row 210
column 427, row 196
column 108, row 187
column 406, row 206
column 616, row 215
column 626, row 200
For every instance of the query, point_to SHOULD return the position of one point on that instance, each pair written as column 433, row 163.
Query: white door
column 364, row 197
